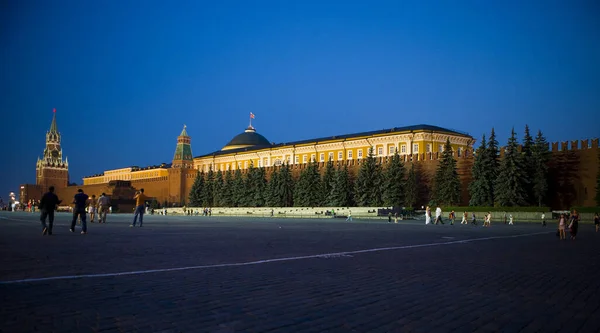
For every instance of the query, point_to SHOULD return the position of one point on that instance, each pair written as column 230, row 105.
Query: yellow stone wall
column 349, row 148
column 126, row 174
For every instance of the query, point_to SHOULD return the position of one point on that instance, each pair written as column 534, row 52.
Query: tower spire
column 53, row 127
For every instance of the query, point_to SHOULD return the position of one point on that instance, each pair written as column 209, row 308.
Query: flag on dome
column 251, row 115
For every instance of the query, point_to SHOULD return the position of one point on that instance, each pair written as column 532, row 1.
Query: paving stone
column 505, row 284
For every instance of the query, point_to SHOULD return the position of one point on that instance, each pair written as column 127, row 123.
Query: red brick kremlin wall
column 572, row 168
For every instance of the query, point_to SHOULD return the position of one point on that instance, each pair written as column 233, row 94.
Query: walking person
column 80, row 201
column 396, row 217
column 438, row 215
column 47, row 207
column 103, row 204
column 427, row 215
column 349, row 218
column 510, row 219
column 140, row 202
column 574, row 225
column 452, row 217
column 543, row 219
column 597, row 221
column 561, row 227
column 474, row 219
column 92, row 207
column 464, row 219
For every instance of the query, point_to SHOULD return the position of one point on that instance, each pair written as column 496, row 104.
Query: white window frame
column 296, row 159
column 313, row 157
column 304, row 158
column 360, row 153
column 340, row 155
column 403, row 149
column 349, row 154
column 428, row 148
column 392, row 150
column 415, row 148
column 330, row 156
column 441, row 148
column 380, row 151
column 322, row 157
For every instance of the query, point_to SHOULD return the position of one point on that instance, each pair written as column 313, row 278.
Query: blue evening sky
column 125, row 76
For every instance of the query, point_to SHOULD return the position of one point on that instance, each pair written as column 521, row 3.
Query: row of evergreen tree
column 518, row 179
column 373, row 186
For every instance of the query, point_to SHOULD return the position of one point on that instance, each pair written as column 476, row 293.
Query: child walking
column 561, row 227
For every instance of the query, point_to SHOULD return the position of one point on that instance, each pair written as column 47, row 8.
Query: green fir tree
column 327, row 184
column 511, row 183
column 598, row 183
column 394, row 190
column 492, row 167
column 541, row 156
column 529, row 164
column 238, row 189
column 272, row 197
column 306, row 193
column 217, row 189
column 227, row 190
column 208, row 195
column 341, row 188
column 479, row 188
column 447, row 184
column 196, row 191
column 368, row 186
column 286, row 186
column 411, row 189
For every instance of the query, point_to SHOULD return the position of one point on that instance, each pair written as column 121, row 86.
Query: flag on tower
column 54, row 110
column 251, row 115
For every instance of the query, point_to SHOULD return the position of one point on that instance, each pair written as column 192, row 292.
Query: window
column 277, row 162
column 304, row 159
column 380, row 151
column 340, row 155
column 228, row 166
column 360, row 153
column 296, row 159
column 266, row 161
column 392, row 150
column 428, row 148
column 260, row 163
column 245, row 164
column 331, row 156
column 441, row 148
column 239, row 165
column 403, row 149
column 349, row 154
column 459, row 151
column 313, row 157
column 415, row 148
column 322, row 157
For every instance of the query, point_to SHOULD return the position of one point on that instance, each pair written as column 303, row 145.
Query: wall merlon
column 595, row 143
column 554, row 147
column 575, row 145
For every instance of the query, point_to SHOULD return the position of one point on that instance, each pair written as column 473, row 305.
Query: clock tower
column 51, row 169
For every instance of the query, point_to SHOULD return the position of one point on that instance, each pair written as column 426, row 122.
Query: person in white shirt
column 438, row 215
column 103, row 208
column 510, row 218
column 544, row 219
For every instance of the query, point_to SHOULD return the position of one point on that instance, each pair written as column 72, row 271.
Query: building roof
column 248, row 138
column 265, row 144
column 184, row 132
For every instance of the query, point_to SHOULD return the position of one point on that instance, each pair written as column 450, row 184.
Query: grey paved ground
column 477, row 279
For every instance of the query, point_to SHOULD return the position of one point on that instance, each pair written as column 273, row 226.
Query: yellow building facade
column 251, row 148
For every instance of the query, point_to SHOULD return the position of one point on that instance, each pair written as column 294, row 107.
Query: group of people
column 83, row 205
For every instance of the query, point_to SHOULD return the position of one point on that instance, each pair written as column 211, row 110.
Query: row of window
column 330, row 157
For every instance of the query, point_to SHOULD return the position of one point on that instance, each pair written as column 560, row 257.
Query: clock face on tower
column 55, row 153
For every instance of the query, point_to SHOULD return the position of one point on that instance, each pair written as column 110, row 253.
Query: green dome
column 249, row 138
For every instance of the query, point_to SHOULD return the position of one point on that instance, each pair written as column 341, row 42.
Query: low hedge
column 587, row 209
column 496, row 209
